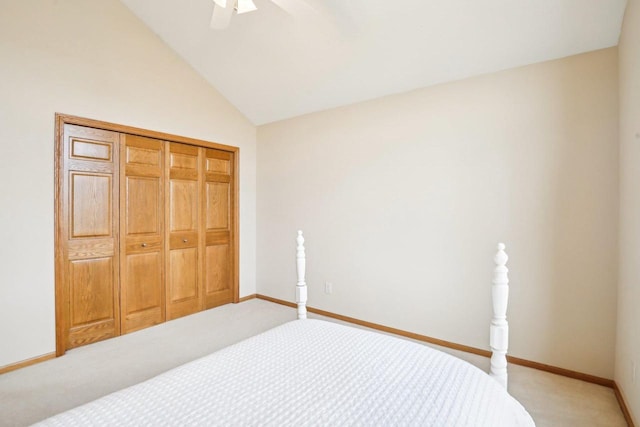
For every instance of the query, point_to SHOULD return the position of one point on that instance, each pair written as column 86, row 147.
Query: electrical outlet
column 328, row 287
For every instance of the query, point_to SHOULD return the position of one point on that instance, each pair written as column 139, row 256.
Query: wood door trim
column 75, row 120
column 60, row 226
column 235, row 229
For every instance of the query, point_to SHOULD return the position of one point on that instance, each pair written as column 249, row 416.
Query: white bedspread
column 311, row 372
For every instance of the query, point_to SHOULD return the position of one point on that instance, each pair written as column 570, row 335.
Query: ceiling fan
column 223, row 10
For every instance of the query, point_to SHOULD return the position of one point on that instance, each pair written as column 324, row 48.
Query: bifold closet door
column 218, row 213
column 142, row 257
column 146, row 229
column 184, row 258
column 88, row 232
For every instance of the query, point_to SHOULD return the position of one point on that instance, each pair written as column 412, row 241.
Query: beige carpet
column 86, row 373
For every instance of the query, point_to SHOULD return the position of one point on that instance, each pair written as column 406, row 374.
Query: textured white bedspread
column 311, row 372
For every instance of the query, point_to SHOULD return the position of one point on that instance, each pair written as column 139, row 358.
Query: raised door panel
column 143, row 154
column 218, row 203
column 92, row 305
column 143, row 199
column 142, row 233
column 218, row 273
column 91, row 213
column 90, row 292
column 185, row 160
column 145, row 272
column 184, row 277
column 219, row 217
column 184, row 264
column 144, row 296
column 184, row 205
column 88, row 149
column 218, row 165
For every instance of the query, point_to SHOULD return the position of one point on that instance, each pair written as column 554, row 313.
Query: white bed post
column 301, row 287
column 499, row 332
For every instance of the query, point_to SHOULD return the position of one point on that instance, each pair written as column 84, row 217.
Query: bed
column 310, row 372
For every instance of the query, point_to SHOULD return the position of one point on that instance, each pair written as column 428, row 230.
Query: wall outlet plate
column 328, row 287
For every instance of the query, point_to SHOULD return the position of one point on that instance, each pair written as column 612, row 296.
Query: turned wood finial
column 301, row 287
column 499, row 330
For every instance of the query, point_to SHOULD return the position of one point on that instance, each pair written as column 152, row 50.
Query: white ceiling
column 272, row 65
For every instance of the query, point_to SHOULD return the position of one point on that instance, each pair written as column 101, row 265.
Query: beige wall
column 92, row 59
column 403, row 199
column 628, row 337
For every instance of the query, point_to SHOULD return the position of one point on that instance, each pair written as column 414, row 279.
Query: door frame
column 61, row 297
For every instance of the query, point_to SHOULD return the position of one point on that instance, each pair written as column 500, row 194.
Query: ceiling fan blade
column 221, row 16
column 244, row 6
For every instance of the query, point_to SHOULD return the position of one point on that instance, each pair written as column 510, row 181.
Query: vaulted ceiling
column 273, row 64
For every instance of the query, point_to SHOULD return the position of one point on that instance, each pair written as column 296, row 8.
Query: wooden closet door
column 219, row 227
column 89, row 232
column 141, row 232
column 184, row 263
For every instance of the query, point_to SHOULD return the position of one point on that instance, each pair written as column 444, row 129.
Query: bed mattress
column 308, row 373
